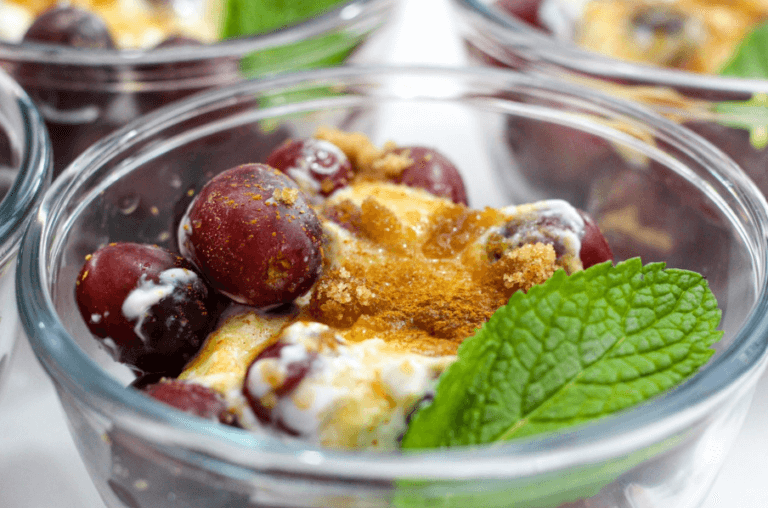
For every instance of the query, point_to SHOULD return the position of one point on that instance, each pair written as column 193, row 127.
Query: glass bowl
column 25, row 172
column 728, row 111
column 85, row 94
column 655, row 189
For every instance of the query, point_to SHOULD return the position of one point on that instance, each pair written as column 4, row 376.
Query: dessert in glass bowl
column 144, row 24
column 348, row 295
column 692, row 35
column 108, row 25
column 136, row 187
column 698, row 63
column 90, row 72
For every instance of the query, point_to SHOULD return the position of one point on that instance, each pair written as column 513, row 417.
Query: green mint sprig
column 750, row 60
column 250, row 17
column 572, row 350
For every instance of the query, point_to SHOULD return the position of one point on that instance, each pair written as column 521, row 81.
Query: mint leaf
column 750, row 60
column 247, row 17
column 572, row 350
column 250, row 17
column 325, row 51
column 751, row 115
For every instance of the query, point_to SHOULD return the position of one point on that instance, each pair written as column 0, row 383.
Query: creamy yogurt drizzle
column 573, row 224
column 352, row 392
column 148, row 293
column 312, row 153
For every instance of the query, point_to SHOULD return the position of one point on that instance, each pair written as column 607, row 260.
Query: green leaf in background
column 250, row 17
column 325, row 51
column 751, row 115
column 749, row 61
column 751, row 58
column 572, row 350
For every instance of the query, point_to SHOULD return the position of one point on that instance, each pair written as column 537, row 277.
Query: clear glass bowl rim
column 35, row 169
column 222, row 447
column 547, row 50
column 348, row 15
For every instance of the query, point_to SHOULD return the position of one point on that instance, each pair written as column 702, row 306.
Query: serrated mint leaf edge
column 465, row 373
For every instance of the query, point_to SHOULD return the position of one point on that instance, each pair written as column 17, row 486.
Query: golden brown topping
column 286, row 196
column 380, row 225
column 454, row 227
column 336, row 298
column 346, row 214
column 416, row 272
column 520, row 269
column 370, row 162
column 389, row 165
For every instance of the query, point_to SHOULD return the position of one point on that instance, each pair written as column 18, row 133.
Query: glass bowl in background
column 728, row 111
column 25, row 172
column 85, row 94
column 655, row 189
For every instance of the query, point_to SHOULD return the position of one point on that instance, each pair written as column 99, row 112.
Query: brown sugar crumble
column 286, row 196
column 414, row 273
column 369, row 161
column 421, row 283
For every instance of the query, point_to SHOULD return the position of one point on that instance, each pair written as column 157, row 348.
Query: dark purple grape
column 526, row 10
column 433, row 172
column 183, row 75
column 594, row 246
column 216, row 153
column 658, row 20
column 551, row 228
column 75, row 116
column 557, row 158
column 318, row 166
column 253, row 236
column 70, row 26
column 175, row 41
column 189, row 397
column 149, row 307
column 296, row 369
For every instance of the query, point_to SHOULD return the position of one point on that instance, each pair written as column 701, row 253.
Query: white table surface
column 40, row 467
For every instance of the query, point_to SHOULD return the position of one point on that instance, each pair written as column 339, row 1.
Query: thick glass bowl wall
column 515, row 139
column 724, row 110
column 25, row 172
